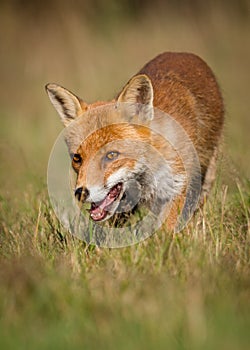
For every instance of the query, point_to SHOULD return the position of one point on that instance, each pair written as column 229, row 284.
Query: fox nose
column 81, row 193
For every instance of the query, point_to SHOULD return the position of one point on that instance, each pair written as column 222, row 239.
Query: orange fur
column 179, row 84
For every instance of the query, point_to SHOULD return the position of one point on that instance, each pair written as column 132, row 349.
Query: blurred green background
column 93, row 48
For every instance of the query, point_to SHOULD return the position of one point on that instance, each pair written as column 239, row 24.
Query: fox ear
column 67, row 105
column 139, row 90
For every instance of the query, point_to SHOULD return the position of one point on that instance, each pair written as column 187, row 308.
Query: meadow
column 185, row 291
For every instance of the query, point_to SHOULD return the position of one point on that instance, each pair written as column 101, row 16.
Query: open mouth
column 100, row 210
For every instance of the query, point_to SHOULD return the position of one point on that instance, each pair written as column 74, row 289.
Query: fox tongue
column 98, row 211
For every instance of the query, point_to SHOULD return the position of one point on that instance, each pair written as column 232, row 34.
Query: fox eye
column 77, row 158
column 112, row 155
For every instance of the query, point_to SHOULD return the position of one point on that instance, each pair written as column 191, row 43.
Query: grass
column 185, row 291
column 188, row 291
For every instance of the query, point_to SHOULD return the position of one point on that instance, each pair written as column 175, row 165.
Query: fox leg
column 210, row 176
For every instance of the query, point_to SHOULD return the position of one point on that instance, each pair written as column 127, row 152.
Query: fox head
column 119, row 163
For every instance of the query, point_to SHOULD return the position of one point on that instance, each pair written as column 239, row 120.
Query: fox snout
column 81, row 194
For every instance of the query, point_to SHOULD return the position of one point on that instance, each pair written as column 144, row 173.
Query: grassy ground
column 188, row 291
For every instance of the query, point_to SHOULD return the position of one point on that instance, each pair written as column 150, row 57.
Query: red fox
column 123, row 164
